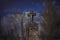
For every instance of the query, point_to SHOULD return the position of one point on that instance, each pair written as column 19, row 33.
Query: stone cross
column 31, row 15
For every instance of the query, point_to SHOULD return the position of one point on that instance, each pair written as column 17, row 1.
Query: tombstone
column 32, row 28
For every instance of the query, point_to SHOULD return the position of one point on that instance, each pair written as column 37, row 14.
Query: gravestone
column 32, row 28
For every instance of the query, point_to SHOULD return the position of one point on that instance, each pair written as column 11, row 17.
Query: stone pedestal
column 32, row 31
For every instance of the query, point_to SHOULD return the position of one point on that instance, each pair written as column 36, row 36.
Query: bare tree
column 14, row 25
column 48, row 19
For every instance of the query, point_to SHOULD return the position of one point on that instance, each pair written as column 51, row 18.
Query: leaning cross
column 31, row 15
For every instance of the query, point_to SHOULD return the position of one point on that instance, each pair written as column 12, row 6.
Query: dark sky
column 10, row 5
column 24, row 5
